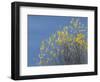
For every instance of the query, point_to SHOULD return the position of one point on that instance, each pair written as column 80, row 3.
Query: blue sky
column 40, row 28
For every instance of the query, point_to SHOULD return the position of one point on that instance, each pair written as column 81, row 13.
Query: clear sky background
column 40, row 28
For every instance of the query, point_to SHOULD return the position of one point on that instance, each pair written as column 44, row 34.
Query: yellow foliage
column 59, row 42
column 80, row 39
column 69, row 39
column 62, row 37
column 62, row 34
column 80, row 35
